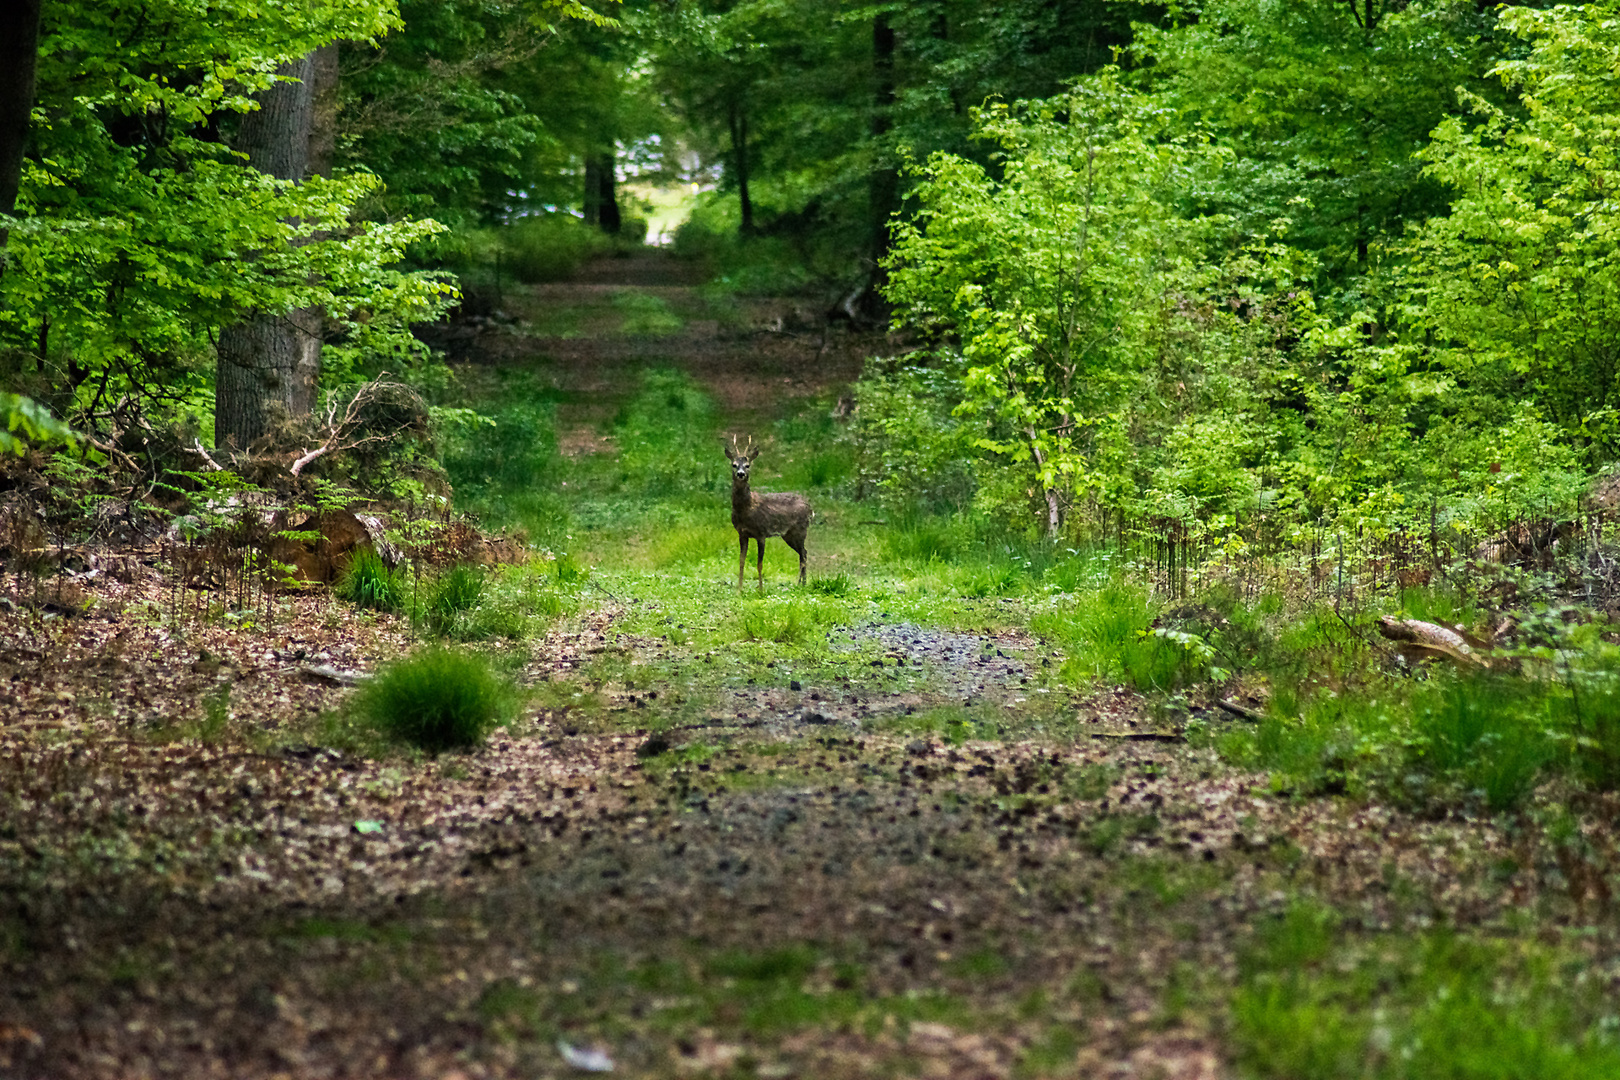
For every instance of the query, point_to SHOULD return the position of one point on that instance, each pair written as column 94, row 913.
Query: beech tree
column 1047, row 277
column 270, row 361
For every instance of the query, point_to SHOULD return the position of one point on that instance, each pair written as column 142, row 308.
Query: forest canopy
column 1240, row 268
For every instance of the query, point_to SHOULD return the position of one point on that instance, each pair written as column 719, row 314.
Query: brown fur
column 757, row 515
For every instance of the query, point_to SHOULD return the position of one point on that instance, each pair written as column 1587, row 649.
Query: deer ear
column 753, row 452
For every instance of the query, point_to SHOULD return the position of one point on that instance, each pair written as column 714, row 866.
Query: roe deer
column 759, row 515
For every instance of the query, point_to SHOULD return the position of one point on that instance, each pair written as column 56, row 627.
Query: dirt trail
column 756, row 356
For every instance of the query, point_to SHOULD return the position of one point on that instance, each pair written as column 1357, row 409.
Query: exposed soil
column 784, row 880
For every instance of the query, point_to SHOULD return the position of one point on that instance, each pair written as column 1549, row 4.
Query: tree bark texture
column 593, row 191
column 883, row 186
column 739, row 159
column 19, row 48
column 601, row 191
column 269, row 362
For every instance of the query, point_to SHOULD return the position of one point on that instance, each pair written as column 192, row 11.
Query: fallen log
column 1419, row 640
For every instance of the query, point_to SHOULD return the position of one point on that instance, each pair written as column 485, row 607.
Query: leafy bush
column 438, row 699
column 910, row 449
column 371, row 583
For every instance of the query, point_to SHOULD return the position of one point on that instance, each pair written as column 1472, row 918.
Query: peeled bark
column 268, row 363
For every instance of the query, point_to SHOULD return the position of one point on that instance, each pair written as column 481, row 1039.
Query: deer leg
column 803, row 559
column 742, row 560
column 761, row 564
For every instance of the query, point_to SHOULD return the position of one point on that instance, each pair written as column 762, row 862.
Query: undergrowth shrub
column 825, row 468
column 437, row 699
column 1487, row 733
column 460, row 589
column 516, row 450
column 1590, row 717
column 832, row 585
column 371, row 583
column 550, row 247
column 504, row 465
column 456, row 593
column 472, row 604
column 695, row 542
column 922, row 538
column 910, row 449
column 1486, row 738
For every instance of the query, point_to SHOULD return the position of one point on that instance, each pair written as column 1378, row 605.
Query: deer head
column 742, row 458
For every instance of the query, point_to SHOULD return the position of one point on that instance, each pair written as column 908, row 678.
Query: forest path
column 902, row 847
column 758, row 357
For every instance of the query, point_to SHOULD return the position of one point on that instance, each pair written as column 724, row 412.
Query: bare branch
column 340, row 432
column 210, row 463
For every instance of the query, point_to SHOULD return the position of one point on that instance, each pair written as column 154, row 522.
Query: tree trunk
column 739, row 158
column 601, row 192
column 322, row 152
column 1054, row 504
column 593, row 190
column 883, row 186
column 268, row 362
column 323, row 116
column 607, row 193
column 19, row 48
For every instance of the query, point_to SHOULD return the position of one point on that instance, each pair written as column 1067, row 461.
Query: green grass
column 645, row 315
column 1484, row 740
column 470, row 603
column 1317, row 1004
column 438, row 699
column 371, row 583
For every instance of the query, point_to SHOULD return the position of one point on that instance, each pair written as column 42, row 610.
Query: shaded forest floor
column 871, row 828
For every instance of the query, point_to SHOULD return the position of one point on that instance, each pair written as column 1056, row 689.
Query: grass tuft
column 371, row 583
column 833, row 585
column 454, row 595
column 439, row 699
